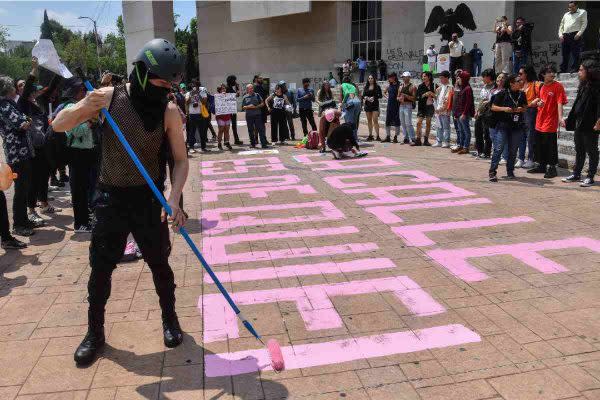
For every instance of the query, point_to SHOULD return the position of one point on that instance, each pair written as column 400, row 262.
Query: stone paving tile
column 542, row 385
column 57, row 373
column 460, row 391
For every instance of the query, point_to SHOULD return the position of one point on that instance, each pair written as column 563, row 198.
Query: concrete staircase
column 566, row 147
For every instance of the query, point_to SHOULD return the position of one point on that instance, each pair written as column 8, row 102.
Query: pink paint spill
column 255, row 193
column 357, row 163
column 414, row 235
column 339, row 351
column 326, row 268
column 215, row 253
column 255, row 181
column 313, row 303
column 383, row 195
column 386, row 213
column 456, row 262
column 213, row 223
column 338, row 181
column 242, row 165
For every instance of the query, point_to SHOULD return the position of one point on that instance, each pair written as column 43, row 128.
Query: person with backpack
column 407, row 95
column 252, row 104
column 30, row 103
column 82, row 157
column 509, row 107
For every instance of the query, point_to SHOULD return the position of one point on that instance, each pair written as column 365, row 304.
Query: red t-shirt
column 552, row 94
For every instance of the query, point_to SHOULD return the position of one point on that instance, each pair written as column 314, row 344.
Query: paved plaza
column 402, row 275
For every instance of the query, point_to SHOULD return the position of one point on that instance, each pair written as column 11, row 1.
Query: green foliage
column 3, row 35
column 186, row 41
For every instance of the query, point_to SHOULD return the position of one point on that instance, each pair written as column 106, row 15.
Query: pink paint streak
column 214, row 246
column 360, row 163
column 213, row 223
column 255, row 193
column 386, row 213
column 456, row 262
column 326, row 268
column 242, row 165
column 383, row 195
column 255, row 181
column 414, row 235
column 313, row 303
column 338, row 181
column 339, row 351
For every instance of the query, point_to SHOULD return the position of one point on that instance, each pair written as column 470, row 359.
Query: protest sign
column 225, row 103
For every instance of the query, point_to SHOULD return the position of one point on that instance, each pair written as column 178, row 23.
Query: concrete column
column 144, row 21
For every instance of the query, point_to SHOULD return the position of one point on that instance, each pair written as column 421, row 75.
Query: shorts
column 426, row 112
column 223, row 122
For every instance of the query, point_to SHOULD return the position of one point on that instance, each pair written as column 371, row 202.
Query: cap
column 406, row 74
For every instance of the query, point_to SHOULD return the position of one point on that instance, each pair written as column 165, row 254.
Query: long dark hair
column 231, row 80
column 592, row 74
column 530, row 73
column 324, row 91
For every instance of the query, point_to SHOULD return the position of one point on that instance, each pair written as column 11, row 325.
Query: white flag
column 48, row 58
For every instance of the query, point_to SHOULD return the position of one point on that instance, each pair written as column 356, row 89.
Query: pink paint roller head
column 276, row 355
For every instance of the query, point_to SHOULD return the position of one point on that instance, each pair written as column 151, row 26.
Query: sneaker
column 220, row 146
column 493, row 177
column 205, row 150
column 416, row 143
column 475, row 154
column 50, row 209
column 191, row 151
column 336, row 154
column 378, row 139
column 519, row 164
column 510, row 176
column 35, row 220
column 197, row 145
column 23, row 231
column 463, row 151
column 12, row 243
column 228, row 146
column 406, row 140
column 455, row 149
column 396, row 139
column 571, row 178
column 445, row 145
column 587, row 182
column 437, row 144
column 426, row 143
column 502, row 161
column 264, row 146
column 386, row 140
column 537, row 170
column 528, row 164
column 551, row 173
column 83, row 229
column 370, row 138
column 239, row 142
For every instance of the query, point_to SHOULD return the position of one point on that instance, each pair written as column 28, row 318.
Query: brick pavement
column 442, row 286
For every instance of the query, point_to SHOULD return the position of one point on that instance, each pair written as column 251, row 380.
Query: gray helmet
column 282, row 83
column 162, row 59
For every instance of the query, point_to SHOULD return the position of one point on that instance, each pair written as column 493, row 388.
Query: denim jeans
column 519, row 61
column 361, row 75
column 443, row 128
column 352, row 114
column 256, row 122
column 530, row 117
column 406, row 111
column 464, row 139
column 476, row 68
column 501, row 135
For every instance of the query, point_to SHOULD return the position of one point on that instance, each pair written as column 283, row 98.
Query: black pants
column 279, row 123
column 196, row 122
column 236, row 138
column 212, row 129
column 483, row 142
column 4, row 225
column 118, row 213
column 586, row 143
column 546, row 148
column 290, row 122
column 570, row 48
column 80, row 173
column 455, row 63
column 40, row 173
column 20, row 201
column 305, row 115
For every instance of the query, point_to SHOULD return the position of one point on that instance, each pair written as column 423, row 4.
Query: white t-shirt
column 431, row 55
column 456, row 50
column 194, row 98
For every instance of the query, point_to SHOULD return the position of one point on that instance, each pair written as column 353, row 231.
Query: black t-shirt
column 340, row 136
column 510, row 99
column 421, row 90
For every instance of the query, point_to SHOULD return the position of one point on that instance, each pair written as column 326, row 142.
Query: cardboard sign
column 443, row 62
column 225, row 103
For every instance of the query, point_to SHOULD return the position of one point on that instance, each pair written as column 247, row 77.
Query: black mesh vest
column 116, row 167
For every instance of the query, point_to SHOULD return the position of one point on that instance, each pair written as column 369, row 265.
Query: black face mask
column 149, row 101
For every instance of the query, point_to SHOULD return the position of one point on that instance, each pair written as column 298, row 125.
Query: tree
column 120, row 26
column 46, row 28
column 3, row 36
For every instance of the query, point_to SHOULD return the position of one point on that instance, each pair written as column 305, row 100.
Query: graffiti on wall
column 400, row 59
column 544, row 53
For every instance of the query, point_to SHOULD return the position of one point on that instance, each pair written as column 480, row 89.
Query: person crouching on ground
column 584, row 119
column 341, row 141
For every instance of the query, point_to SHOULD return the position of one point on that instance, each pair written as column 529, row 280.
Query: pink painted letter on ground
column 242, row 165
column 414, row 235
column 255, row 181
column 383, row 195
column 386, row 213
column 456, row 262
column 313, row 302
column 358, row 163
column 338, row 183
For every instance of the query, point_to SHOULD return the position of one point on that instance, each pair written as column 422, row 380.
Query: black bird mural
column 448, row 21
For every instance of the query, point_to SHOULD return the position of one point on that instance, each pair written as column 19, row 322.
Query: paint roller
column 273, row 347
column 6, row 176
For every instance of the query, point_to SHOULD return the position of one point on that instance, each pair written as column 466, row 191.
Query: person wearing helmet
column 123, row 201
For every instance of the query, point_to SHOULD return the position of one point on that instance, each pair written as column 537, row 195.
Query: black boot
column 92, row 342
column 551, row 172
column 172, row 331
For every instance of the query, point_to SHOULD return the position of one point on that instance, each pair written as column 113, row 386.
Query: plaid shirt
column 16, row 143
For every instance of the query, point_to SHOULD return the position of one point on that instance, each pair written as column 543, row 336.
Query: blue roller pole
column 182, row 230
